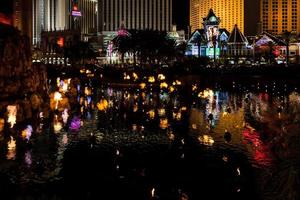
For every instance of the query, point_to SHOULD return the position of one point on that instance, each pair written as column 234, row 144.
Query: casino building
column 213, row 41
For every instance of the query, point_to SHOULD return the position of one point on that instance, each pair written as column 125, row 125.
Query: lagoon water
column 200, row 140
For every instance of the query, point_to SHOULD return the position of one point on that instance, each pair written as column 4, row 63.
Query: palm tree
column 122, row 45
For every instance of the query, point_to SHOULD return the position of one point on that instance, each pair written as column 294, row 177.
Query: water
column 108, row 141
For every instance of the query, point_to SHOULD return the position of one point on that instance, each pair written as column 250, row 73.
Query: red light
column 5, row 20
column 60, row 42
column 75, row 7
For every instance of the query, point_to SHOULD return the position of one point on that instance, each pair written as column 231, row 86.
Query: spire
column 237, row 37
column 211, row 18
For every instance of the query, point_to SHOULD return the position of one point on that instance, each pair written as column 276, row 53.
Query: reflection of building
column 230, row 11
column 135, row 14
column 278, row 16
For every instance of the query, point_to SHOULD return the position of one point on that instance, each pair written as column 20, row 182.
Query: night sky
column 6, row 7
column 181, row 15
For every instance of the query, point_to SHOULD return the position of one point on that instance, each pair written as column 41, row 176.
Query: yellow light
column 135, row 108
column 225, row 113
column 11, row 147
column 163, row 123
column 171, row 136
column 183, row 108
column 87, row 91
column 151, row 114
column 58, row 82
column 57, row 98
column 151, row 79
column 102, row 105
column 57, row 126
column 171, row 89
column 206, row 140
column 2, row 122
column 194, row 87
column 163, row 85
column 177, row 116
column 12, row 115
column 161, row 112
column 161, row 77
column 206, row 94
column 135, row 76
column 194, row 126
column 142, row 85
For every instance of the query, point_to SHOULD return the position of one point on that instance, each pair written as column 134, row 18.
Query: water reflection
column 208, row 128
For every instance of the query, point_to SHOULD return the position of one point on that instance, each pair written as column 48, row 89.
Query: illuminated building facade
column 87, row 21
column 51, row 15
column 278, row 16
column 22, row 12
column 135, row 14
column 208, row 41
column 230, row 11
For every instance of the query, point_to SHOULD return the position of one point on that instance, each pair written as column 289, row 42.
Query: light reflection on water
column 147, row 119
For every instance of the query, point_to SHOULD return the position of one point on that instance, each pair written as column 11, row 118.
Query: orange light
column 60, row 42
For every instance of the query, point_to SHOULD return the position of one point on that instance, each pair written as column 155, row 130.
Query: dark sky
column 6, row 6
column 181, row 15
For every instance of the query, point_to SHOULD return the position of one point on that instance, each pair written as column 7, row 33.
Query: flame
column 12, row 115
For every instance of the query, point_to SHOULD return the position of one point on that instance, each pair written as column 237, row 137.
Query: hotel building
column 278, row 16
column 135, row 14
column 230, row 12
